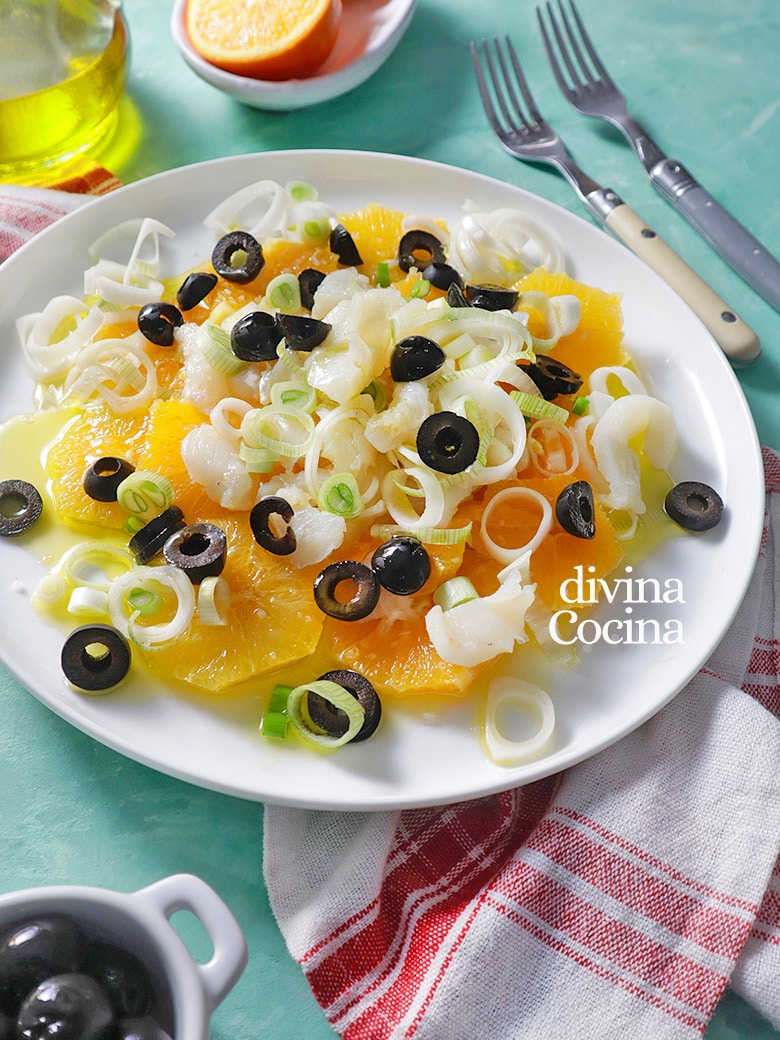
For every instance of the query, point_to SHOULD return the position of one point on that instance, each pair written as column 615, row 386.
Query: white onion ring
column 504, row 554
column 504, row 693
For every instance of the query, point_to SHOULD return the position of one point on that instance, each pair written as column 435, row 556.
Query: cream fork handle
column 735, row 338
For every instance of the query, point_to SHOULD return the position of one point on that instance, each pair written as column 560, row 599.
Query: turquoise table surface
column 704, row 77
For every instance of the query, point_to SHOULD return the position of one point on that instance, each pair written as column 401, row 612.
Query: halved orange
column 264, row 39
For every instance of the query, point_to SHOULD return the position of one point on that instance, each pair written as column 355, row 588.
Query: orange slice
column 264, row 39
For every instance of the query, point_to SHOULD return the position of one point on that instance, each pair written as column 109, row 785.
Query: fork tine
column 484, row 92
column 563, row 50
column 499, row 92
column 584, row 36
column 522, row 83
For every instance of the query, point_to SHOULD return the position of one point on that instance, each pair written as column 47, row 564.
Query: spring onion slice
column 147, row 601
column 145, row 493
column 88, row 602
column 215, row 347
column 339, row 698
column 580, row 406
column 519, row 496
column 283, row 293
column 537, row 408
column 93, row 564
column 50, row 590
column 152, row 637
column 275, row 722
column 561, row 315
column 602, row 381
column 292, row 394
column 221, row 412
column 288, row 432
column 210, row 590
column 383, row 274
column 401, row 510
column 239, row 210
column 98, row 369
column 426, row 535
column 340, row 494
column 507, row 696
column 46, row 352
column 257, row 460
column 492, row 400
column 552, row 448
column 453, row 592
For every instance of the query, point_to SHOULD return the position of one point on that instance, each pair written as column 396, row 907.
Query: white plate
column 411, row 761
column 369, row 32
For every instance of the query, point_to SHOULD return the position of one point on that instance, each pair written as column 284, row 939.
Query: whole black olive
column 694, row 506
column 95, row 658
column 144, row 1028
column 414, row 358
column 255, row 337
column 228, row 247
column 20, row 506
column 575, row 511
column 158, row 322
column 402, row 565
column 65, row 1007
column 419, row 248
column 200, row 550
column 195, row 288
column 260, row 522
column 447, row 442
column 33, row 950
column 104, row 476
column 334, row 721
column 365, row 590
column 123, row 978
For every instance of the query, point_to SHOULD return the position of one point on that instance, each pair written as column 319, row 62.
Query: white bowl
column 368, row 34
column 139, row 923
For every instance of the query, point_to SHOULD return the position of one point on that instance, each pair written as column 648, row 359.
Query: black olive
column 343, row 245
column 123, row 978
column 228, row 246
column 95, row 657
column 365, row 590
column 31, row 951
column 200, row 550
column 309, row 282
column 442, row 275
column 104, row 476
column 144, row 1028
column 20, row 506
column 302, row 332
column 402, row 565
column 158, row 322
column 552, row 377
column 694, row 506
column 334, row 721
column 194, row 288
column 65, row 1007
column 260, row 522
column 575, row 511
column 447, row 442
column 150, row 539
column 418, row 249
column 492, row 297
column 255, row 337
column 414, row 358
column 7, row 1027
column 456, row 297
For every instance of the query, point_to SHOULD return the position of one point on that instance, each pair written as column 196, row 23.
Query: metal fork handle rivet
column 648, row 233
column 729, row 316
column 672, row 178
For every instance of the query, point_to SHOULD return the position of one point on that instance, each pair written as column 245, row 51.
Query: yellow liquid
column 43, row 131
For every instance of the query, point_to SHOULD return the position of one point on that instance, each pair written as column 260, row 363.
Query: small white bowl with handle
column 186, row 991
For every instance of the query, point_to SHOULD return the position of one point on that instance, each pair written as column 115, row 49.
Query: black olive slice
column 302, row 332
column 575, row 511
column 104, row 476
column 309, row 282
column 260, row 522
column 456, row 297
column 195, row 288
column 255, row 337
column 20, row 506
column 158, row 322
column 694, row 506
column 402, row 565
column 236, row 242
column 492, row 297
column 447, row 442
column 150, row 539
column 200, row 550
column 414, row 358
column 343, row 245
column 365, row 594
column 442, row 275
column 95, row 657
column 552, row 377
column 335, row 722
column 418, row 249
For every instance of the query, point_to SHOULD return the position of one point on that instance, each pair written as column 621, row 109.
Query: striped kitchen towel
column 619, row 899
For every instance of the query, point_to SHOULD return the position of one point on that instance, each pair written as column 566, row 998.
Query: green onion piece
column 274, row 426
column 537, row 408
column 340, row 494
column 339, row 698
column 383, row 274
column 217, row 351
column 133, row 524
column 294, row 395
column 289, row 359
column 581, row 405
column 284, row 293
column 426, row 535
column 210, row 590
column 301, row 191
column 377, row 391
column 420, row 289
column 146, row 601
column 454, row 592
column 314, row 231
column 257, row 460
column 145, row 493
column 94, row 564
column 50, row 590
column 275, row 725
column 279, row 697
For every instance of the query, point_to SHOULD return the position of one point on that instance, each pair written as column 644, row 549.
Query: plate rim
column 501, row 783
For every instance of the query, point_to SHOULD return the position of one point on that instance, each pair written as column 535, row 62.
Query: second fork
column 523, row 131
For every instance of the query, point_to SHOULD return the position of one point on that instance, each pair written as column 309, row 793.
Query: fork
column 590, row 89
column 518, row 124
